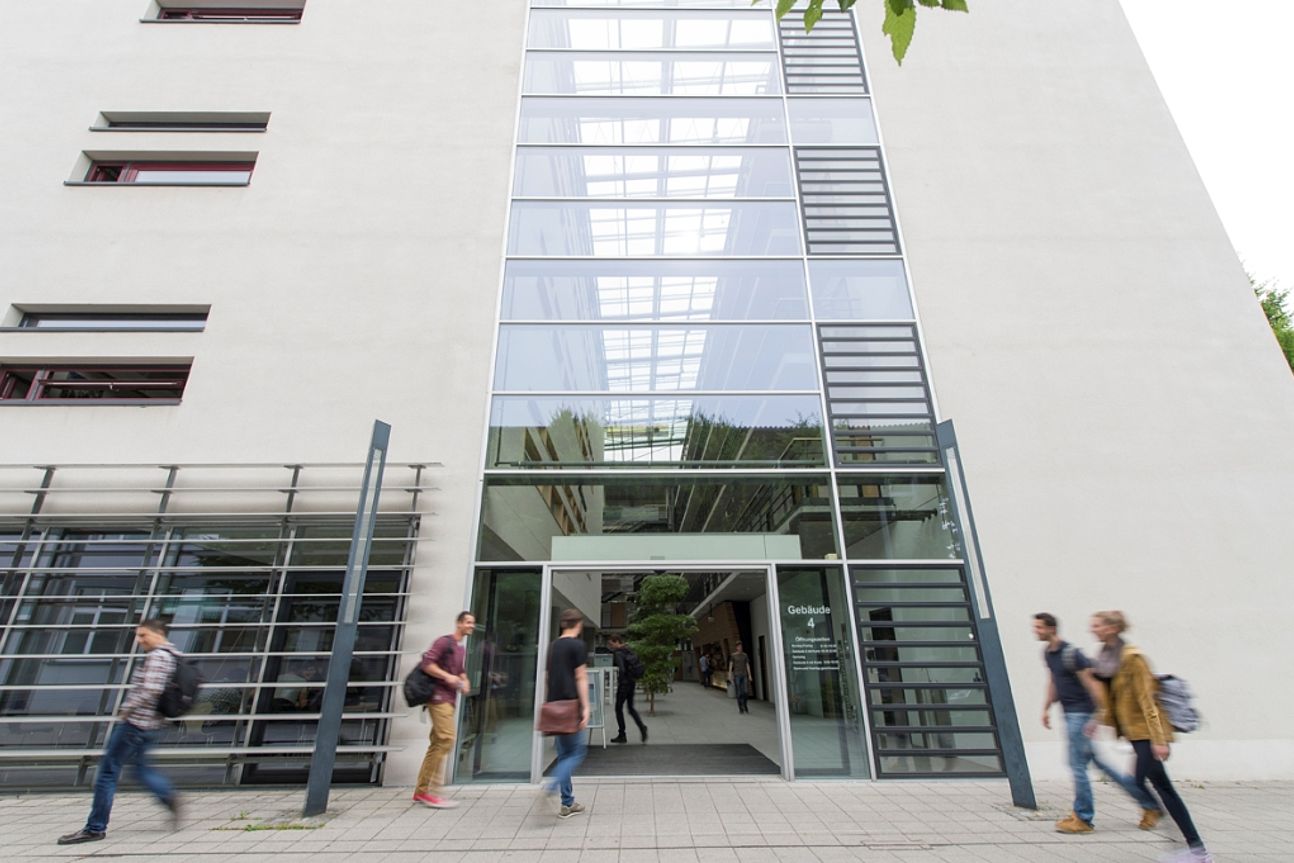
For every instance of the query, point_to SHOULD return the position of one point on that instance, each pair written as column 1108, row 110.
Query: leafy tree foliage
column 656, row 630
column 900, row 17
column 1273, row 302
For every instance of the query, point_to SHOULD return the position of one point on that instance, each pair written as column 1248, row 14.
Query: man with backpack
column 1080, row 695
column 629, row 669
column 136, row 734
column 445, row 662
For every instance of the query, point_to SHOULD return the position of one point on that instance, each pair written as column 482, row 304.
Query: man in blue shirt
column 1080, row 695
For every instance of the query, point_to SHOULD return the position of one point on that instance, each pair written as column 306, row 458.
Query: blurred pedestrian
column 1081, row 696
column 135, row 735
column 568, row 680
column 628, row 669
column 446, row 662
column 1135, row 714
column 739, row 671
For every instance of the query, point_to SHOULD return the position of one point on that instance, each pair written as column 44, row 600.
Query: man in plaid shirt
column 134, row 735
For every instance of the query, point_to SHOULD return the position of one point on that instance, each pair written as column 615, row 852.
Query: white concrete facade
column 1123, row 414
column 1122, row 407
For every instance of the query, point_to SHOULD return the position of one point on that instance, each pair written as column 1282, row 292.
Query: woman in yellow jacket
column 1133, row 709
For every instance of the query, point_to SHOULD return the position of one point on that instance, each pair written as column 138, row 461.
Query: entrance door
column 673, row 617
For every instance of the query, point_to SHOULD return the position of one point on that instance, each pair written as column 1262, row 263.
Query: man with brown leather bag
column 565, row 712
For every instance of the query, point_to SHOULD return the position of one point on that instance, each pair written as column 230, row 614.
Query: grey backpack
column 1178, row 702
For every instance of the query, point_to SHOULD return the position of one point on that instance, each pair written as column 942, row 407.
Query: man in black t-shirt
column 628, row 668
column 1070, row 682
column 568, row 680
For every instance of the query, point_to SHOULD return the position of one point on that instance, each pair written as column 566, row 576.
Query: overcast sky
column 1224, row 69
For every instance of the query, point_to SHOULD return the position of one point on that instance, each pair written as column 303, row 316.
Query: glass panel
column 497, row 721
column 654, row 290
column 148, row 174
column 594, row 30
column 650, row 121
column 682, row 4
column 640, row 518
column 938, row 716
column 894, row 765
column 923, row 674
column 93, row 700
column 822, row 692
column 916, row 694
column 639, row 172
column 949, row 739
column 834, row 120
column 859, row 290
column 709, row 431
column 653, row 359
column 646, row 74
column 897, row 517
column 53, row 735
column 541, row 228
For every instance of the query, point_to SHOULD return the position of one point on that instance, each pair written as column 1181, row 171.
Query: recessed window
column 172, row 173
column 182, row 121
column 113, row 321
column 218, row 14
column 92, row 382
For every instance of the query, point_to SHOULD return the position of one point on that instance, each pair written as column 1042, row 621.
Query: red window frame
column 128, row 172
column 227, row 14
column 34, row 383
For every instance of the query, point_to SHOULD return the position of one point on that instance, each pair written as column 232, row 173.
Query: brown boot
column 1071, row 823
column 1149, row 818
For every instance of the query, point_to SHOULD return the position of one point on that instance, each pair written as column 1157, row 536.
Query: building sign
column 810, row 642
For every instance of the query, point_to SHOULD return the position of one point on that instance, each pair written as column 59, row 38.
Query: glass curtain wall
column 707, row 347
column 253, row 603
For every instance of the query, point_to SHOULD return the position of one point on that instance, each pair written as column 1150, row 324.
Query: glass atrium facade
column 708, row 351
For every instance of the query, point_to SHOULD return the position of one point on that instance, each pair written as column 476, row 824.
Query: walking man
column 739, row 669
column 705, row 670
column 628, row 669
column 1080, row 695
column 135, row 735
column 568, row 680
column 445, row 661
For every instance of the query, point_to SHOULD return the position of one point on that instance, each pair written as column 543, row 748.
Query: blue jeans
column 126, row 745
column 1080, row 755
column 570, row 752
column 739, row 682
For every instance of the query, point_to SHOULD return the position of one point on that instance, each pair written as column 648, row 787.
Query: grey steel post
column 990, row 642
column 343, row 647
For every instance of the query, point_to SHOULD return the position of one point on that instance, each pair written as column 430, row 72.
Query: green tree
column 656, row 630
column 1273, row 303
column 900, row 17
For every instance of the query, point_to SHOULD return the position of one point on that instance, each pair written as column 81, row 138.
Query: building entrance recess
column 805, row 714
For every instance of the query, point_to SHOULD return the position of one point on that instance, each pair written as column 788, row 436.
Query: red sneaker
column 431, row 801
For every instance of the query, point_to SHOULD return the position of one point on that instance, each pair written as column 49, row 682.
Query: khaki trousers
column 430, row 776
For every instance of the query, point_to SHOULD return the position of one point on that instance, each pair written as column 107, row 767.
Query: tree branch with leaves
column 900, row 17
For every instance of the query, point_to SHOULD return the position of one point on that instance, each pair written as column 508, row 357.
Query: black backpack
column 181, row 689
column 634, row 668
column 418, row 687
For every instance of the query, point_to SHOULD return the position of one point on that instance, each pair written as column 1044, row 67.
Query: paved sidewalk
column 628, row 822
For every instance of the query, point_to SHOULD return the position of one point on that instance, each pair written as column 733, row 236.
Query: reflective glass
column 636, row 517
column 208, row 177
column 639, row 172
column 643, row 230
column 633, row 30
column 831, row 120
column 859, row 290
column 897, row 518
column 654, row 290
column 497, row 719
column 944, row 765
column 707, row 431
column 651, row 359
column 682, row 4
column 821, row 670
column 650, row 121
column 590, row 73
